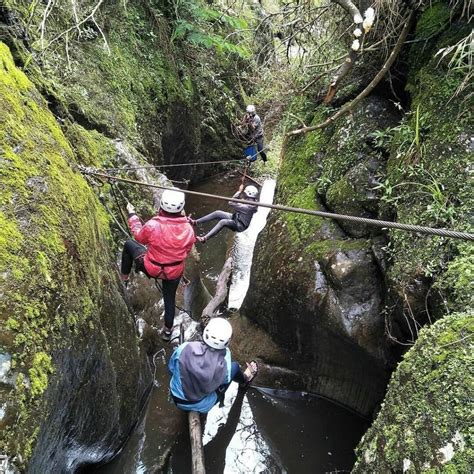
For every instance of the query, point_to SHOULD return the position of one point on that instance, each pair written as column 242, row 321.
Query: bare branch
column 84, row 20
column 349, row 106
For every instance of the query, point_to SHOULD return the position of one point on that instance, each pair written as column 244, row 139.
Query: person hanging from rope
column 160, row 249
column 255, row 126
column 201, row 371
column 238, row 221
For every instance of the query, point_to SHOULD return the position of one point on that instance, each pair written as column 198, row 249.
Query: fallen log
column 221, row 292
column 197, row 451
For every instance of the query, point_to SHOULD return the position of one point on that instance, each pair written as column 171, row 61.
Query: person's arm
column 236, row 205
column 139, row 231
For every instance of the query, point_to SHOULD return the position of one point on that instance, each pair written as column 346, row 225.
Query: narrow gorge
column 354, row 326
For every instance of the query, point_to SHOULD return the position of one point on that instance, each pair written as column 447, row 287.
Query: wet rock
column 355, row 194
column 5, row 367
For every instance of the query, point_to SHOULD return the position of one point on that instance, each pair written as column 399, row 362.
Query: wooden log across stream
column 195, row 436
column 195, row 431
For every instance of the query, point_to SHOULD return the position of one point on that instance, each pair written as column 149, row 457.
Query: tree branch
column 349, row 106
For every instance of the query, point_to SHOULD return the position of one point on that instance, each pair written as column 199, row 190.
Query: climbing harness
column 329, row 215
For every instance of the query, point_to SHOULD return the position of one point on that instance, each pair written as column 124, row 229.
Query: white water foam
column 244, row 244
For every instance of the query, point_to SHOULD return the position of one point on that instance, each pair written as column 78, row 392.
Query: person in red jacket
column 160, row 249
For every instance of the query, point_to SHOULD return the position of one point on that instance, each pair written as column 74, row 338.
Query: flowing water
column 261, row 430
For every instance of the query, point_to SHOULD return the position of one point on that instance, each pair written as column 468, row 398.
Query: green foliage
column 200, row 25
column 439, row 204
column 427, row 406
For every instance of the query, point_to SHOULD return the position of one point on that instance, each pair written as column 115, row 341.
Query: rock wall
column 124, row 93
column 327, row 289
column 129, row 79
column 340, row 295
column 430, row 278
column 69, row 393
column 425, row 423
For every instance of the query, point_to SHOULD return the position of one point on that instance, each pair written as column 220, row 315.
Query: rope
column 129, row 168
column 329, row 215
column 119, row 207
column 244, row 174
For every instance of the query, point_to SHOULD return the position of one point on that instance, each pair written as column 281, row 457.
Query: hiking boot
column 166, row 334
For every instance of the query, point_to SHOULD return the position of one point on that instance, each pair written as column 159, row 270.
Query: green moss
column 427, row 405
column 90, row 146
column 432, row 182
column 39, row 373
column 296, row 187
column 433, row 20
column 321, row 249
column 53, row 245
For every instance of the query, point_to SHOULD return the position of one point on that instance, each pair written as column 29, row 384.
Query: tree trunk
column 197, row 451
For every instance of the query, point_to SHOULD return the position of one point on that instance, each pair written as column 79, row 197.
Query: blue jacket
column 177, row 371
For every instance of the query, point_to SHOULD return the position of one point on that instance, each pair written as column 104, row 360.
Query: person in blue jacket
column 201, row 371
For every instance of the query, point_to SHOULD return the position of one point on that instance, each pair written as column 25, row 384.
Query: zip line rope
column 175, row 165
column 328, row 215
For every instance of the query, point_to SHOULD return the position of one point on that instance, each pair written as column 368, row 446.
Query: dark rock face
column 319, row 286
column 327, row 312
column 96, row 401
column 73, row 375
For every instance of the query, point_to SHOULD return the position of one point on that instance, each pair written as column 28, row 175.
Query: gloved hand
column 130, row 208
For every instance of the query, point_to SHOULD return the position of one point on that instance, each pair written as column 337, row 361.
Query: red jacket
column 168, row 241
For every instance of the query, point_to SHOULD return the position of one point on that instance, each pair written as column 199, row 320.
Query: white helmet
column 251, row 191
column 217, row 333
column 172, row 201
column 251, row 109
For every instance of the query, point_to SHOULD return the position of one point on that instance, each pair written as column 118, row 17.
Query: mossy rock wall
column 317, row 290
column 425, row 423
column 138, row 85
column 76, row 376
column 428, row 180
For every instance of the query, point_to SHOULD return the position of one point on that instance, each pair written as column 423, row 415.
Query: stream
column 260, row 430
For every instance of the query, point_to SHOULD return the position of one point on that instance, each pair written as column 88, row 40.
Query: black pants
column 135, row 252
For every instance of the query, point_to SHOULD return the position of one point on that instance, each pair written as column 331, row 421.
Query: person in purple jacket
column 201, row 371
column 238, row 221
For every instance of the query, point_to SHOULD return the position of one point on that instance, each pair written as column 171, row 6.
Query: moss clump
column 39, row 372
column 428, row 172
column 428, row 406
column 53, row 247
column 91, row 147
column 297, row 182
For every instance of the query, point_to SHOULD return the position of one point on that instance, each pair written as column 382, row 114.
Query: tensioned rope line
column 174, row 165
column 329, row 215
